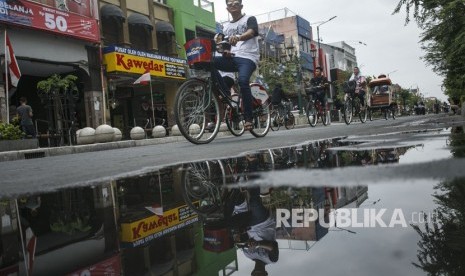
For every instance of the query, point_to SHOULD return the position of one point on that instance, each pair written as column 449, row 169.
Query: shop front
column 156, row 227
column 50, row 38
column 148, row 103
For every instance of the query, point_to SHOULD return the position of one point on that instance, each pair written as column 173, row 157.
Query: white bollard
column 137, row 133
column 158, row 132
column 104, row 133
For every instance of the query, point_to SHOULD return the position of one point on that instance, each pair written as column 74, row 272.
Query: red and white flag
column 144, row 79
column 157, row 209
column 14, row 71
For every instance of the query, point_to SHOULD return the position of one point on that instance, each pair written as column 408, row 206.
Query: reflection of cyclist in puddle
column 253, row 225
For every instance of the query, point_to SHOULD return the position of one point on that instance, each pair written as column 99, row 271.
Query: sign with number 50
column 37, row 16
column 58, row 22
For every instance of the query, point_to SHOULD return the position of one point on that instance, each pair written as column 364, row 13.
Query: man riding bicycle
column 319, row 85
column 243, row 57
column 361, row 82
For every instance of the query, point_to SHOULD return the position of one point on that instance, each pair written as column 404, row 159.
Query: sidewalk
column 56, row 151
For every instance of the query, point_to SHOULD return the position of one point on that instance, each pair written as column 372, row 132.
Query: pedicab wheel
column 386, row 114
column 261, row 120
column 370, row 114
column 196, row 112
column 234, row 122
column 311, row 113
column 289, row 121
column 348, row 112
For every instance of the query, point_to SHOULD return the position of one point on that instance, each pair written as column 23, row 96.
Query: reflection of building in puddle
column 296, row 201
column 340, row 157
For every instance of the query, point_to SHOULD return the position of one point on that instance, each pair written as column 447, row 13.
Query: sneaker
column 248, row 125
column 210, row 126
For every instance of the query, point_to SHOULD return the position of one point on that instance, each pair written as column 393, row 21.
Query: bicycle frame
column 197, row 104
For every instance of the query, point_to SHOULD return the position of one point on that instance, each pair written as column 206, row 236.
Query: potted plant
column 11, row 138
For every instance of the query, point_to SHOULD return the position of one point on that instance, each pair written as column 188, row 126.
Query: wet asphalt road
column 45, row 174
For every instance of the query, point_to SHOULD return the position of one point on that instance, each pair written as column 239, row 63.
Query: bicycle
column 206, row 190
column 196, row 103
column 352, row 105
column 282, row 115
column 315, row 109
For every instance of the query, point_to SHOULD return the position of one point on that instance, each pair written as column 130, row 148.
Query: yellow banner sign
column 119, row 59
column 140, row 232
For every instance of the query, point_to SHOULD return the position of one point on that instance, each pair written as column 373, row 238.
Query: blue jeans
column 245, row 68
column 29, row 130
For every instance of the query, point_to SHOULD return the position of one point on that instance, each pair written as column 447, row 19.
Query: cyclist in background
column 318, row 86
column 243, row 57
column 278, row 96
column 361, row 82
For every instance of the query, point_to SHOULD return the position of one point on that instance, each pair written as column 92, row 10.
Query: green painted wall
column 189, row 16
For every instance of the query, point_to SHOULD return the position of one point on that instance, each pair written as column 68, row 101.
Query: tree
column 284, row 72
column 59, row 94
column 442, row 244
column 443, row 25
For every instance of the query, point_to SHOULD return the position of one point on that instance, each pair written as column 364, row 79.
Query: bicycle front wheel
column 200, row 193
column 197, row 112
column 348, row 112
column 312, row 114
column 289, row 121
column 363, row 112
column 324, row 118
column 261, row 120
column 234, row 121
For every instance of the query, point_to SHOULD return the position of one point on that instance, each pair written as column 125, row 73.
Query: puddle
column 357, row 205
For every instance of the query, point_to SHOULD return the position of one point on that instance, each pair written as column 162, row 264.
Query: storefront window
column 73, row 228
column 9, row 245
column 139, row 197
column 112, row 31
column 140, row 37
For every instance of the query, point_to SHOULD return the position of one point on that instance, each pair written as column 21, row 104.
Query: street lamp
column 357, row 41
column 392, row 72
column 318, row 35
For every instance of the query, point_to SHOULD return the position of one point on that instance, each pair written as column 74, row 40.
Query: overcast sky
column 391, row 46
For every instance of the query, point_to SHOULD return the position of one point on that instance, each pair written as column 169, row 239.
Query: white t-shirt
column 245, row 49
column 265, row 230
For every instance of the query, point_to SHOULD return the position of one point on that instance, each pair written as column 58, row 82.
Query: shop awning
column 112, row 11
column 164, row 27
column 139, row 19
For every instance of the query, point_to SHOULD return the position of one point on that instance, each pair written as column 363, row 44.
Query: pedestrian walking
column 25, row 114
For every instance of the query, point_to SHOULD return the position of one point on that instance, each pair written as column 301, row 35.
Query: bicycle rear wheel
column 289, row 121
column 234, row 121
column 312, row 114
column 197, row 112
column 261, row 120
column 275, row 121
column 348, row 112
